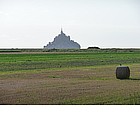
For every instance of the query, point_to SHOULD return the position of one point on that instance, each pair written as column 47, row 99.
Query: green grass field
column 68, row 78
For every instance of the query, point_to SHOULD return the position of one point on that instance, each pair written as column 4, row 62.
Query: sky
column 103, row 23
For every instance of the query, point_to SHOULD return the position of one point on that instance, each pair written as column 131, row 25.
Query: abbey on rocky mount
column 62, row 42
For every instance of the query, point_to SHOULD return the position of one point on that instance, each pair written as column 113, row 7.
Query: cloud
column 2, row 36
column 4, row 13
column 1, row 13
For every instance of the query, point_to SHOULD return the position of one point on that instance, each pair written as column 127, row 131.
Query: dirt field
column 87, row 85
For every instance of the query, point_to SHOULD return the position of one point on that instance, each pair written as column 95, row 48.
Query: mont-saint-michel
column 62, row 41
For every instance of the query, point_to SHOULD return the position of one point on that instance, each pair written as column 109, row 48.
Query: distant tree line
column 93, row 48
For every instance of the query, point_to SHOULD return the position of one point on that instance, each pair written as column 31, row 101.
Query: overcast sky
column 105, row 23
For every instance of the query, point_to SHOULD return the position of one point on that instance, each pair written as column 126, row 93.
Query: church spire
column 61, row 30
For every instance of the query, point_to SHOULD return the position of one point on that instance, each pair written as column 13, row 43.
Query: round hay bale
column 122, row 72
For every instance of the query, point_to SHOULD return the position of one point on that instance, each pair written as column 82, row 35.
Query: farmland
column 84, row 77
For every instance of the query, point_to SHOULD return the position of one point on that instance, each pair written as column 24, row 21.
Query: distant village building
column 62, row 42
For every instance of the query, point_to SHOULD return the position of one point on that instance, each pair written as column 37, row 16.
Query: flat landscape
column 84, row 77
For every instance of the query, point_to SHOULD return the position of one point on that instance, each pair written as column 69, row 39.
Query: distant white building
column 62, row 42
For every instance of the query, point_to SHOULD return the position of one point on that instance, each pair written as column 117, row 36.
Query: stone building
column 62, row 42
